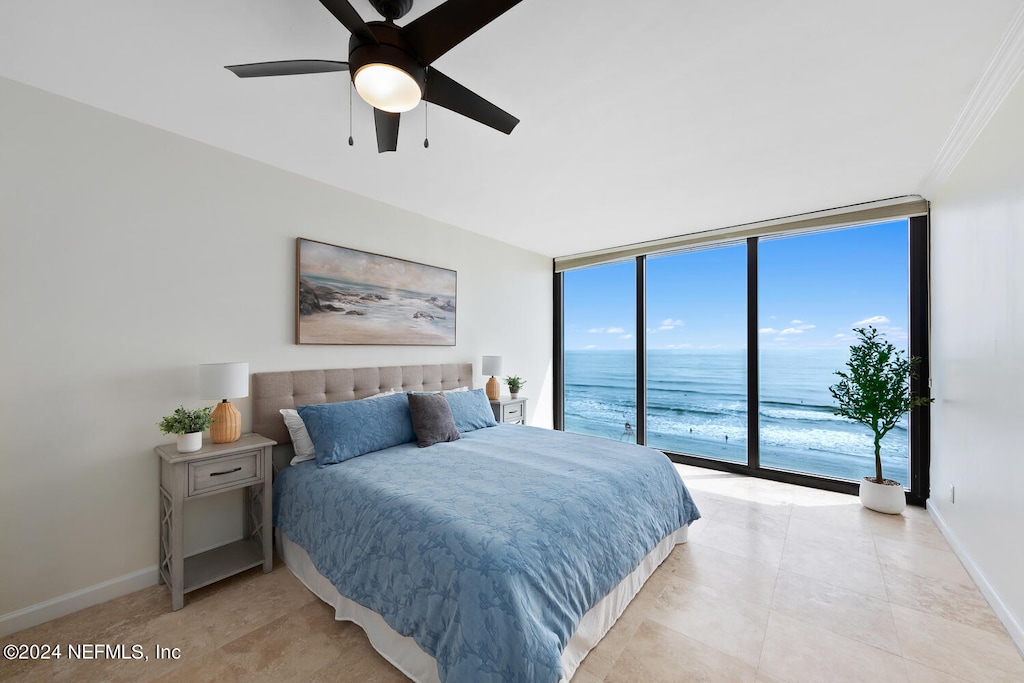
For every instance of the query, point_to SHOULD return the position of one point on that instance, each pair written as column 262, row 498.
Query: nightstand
column 212, row 470
column 510, row 410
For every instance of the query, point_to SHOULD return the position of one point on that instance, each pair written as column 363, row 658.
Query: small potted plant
column 188, row 425
column 515, row 383
column 876, row 392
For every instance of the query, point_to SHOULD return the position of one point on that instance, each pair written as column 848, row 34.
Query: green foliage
column 876, row 389
column 515, row 383
column 183, row 421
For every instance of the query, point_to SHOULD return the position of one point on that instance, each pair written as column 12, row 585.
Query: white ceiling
column 640, row 120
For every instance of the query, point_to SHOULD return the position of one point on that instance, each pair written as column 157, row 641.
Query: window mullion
column 641, row 350
column 753, row 389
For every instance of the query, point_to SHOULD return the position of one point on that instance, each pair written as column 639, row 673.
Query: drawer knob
column 217, row 474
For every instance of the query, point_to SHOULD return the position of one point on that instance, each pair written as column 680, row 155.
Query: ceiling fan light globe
column 387, row 88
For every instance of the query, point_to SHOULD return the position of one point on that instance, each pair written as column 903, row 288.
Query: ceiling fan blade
column 447, row 25
column 444, row 92
column 350, row 19
column 287, row 68
column 387, row 130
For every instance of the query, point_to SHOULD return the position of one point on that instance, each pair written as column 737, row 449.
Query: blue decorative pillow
column 471, row 409
column 341, row 431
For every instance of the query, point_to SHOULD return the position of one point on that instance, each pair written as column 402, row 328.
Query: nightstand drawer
column 512, row 412
column 219, row 473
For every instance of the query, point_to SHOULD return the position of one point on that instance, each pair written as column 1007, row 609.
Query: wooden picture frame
column 347, row 296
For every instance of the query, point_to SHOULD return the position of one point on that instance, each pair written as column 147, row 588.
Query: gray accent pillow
column 432, row 419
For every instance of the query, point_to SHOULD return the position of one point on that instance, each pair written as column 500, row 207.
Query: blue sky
column 813, row 290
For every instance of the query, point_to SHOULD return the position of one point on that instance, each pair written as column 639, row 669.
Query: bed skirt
column 406, row 655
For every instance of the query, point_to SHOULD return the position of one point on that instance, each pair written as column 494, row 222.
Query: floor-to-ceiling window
column 813, row 291
column 738, row 344
column 697, row 352
column 599, row 337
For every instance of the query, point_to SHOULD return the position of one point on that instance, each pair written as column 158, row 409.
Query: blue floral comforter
column 488, row 550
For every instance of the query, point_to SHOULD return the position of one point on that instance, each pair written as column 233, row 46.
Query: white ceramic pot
column 515, row 394
column 881, row 498
column 189, row 443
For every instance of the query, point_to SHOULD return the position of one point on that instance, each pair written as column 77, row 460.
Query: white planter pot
column 881, row 498
column 189, row 443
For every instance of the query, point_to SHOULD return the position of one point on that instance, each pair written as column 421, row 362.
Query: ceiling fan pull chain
column 426, row 125
column 350, row 141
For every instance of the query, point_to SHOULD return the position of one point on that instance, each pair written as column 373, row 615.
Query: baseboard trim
column 62, row 605
column 1010, row 622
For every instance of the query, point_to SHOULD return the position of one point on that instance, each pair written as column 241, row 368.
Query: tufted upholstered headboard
column 272, row 391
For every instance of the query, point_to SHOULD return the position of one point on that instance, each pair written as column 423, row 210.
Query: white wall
column 977, row 269
column 128, row 256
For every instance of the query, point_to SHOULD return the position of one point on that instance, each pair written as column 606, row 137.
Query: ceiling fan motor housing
column 392, row 49
column 392, row 9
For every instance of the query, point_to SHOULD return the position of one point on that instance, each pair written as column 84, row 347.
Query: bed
column 504, row 554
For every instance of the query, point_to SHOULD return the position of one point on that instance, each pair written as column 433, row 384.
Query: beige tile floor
column 777, row 584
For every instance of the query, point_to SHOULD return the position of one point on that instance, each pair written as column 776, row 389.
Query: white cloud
column 652, row 330
column 670, row 324
column 796, row 322
column 596, row 330
column 615, row 330
column 791, row 330
column 590, row 346
column 873, row 320
column 626, row 336
column 768, row 330
column 841, row 335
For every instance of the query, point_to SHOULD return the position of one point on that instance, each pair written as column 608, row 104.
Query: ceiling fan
column 390, row 65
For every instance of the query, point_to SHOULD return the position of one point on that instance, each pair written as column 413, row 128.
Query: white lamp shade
column 223, row 380
column 387, row 88
column 492, row 365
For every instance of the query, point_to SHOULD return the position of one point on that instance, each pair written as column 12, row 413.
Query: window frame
column 918, row 341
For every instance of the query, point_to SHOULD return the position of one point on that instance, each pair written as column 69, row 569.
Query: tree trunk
column 878, row 458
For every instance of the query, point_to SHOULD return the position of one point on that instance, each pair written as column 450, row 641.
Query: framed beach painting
column 345, row 296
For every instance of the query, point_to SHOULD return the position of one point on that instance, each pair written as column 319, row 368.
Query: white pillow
column 300, row 437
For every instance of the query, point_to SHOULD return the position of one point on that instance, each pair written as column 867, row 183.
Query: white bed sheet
column 406, row 655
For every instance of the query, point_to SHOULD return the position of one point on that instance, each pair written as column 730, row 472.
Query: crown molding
column 1001, row 74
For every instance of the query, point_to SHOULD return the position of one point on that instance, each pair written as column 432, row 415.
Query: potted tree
column 875, row 391
column 188, row 425
column 515, row 383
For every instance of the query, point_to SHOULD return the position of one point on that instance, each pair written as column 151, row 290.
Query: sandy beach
column 338, row 328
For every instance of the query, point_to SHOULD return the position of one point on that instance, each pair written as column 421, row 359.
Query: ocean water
column 402, row 311
column 696, row 404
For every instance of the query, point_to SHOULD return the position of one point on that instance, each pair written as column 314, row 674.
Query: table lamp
column 223, row 381
column 492, row 366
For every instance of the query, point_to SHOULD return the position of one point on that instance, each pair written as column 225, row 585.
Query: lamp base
column 493, row 389
column 227, row 423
